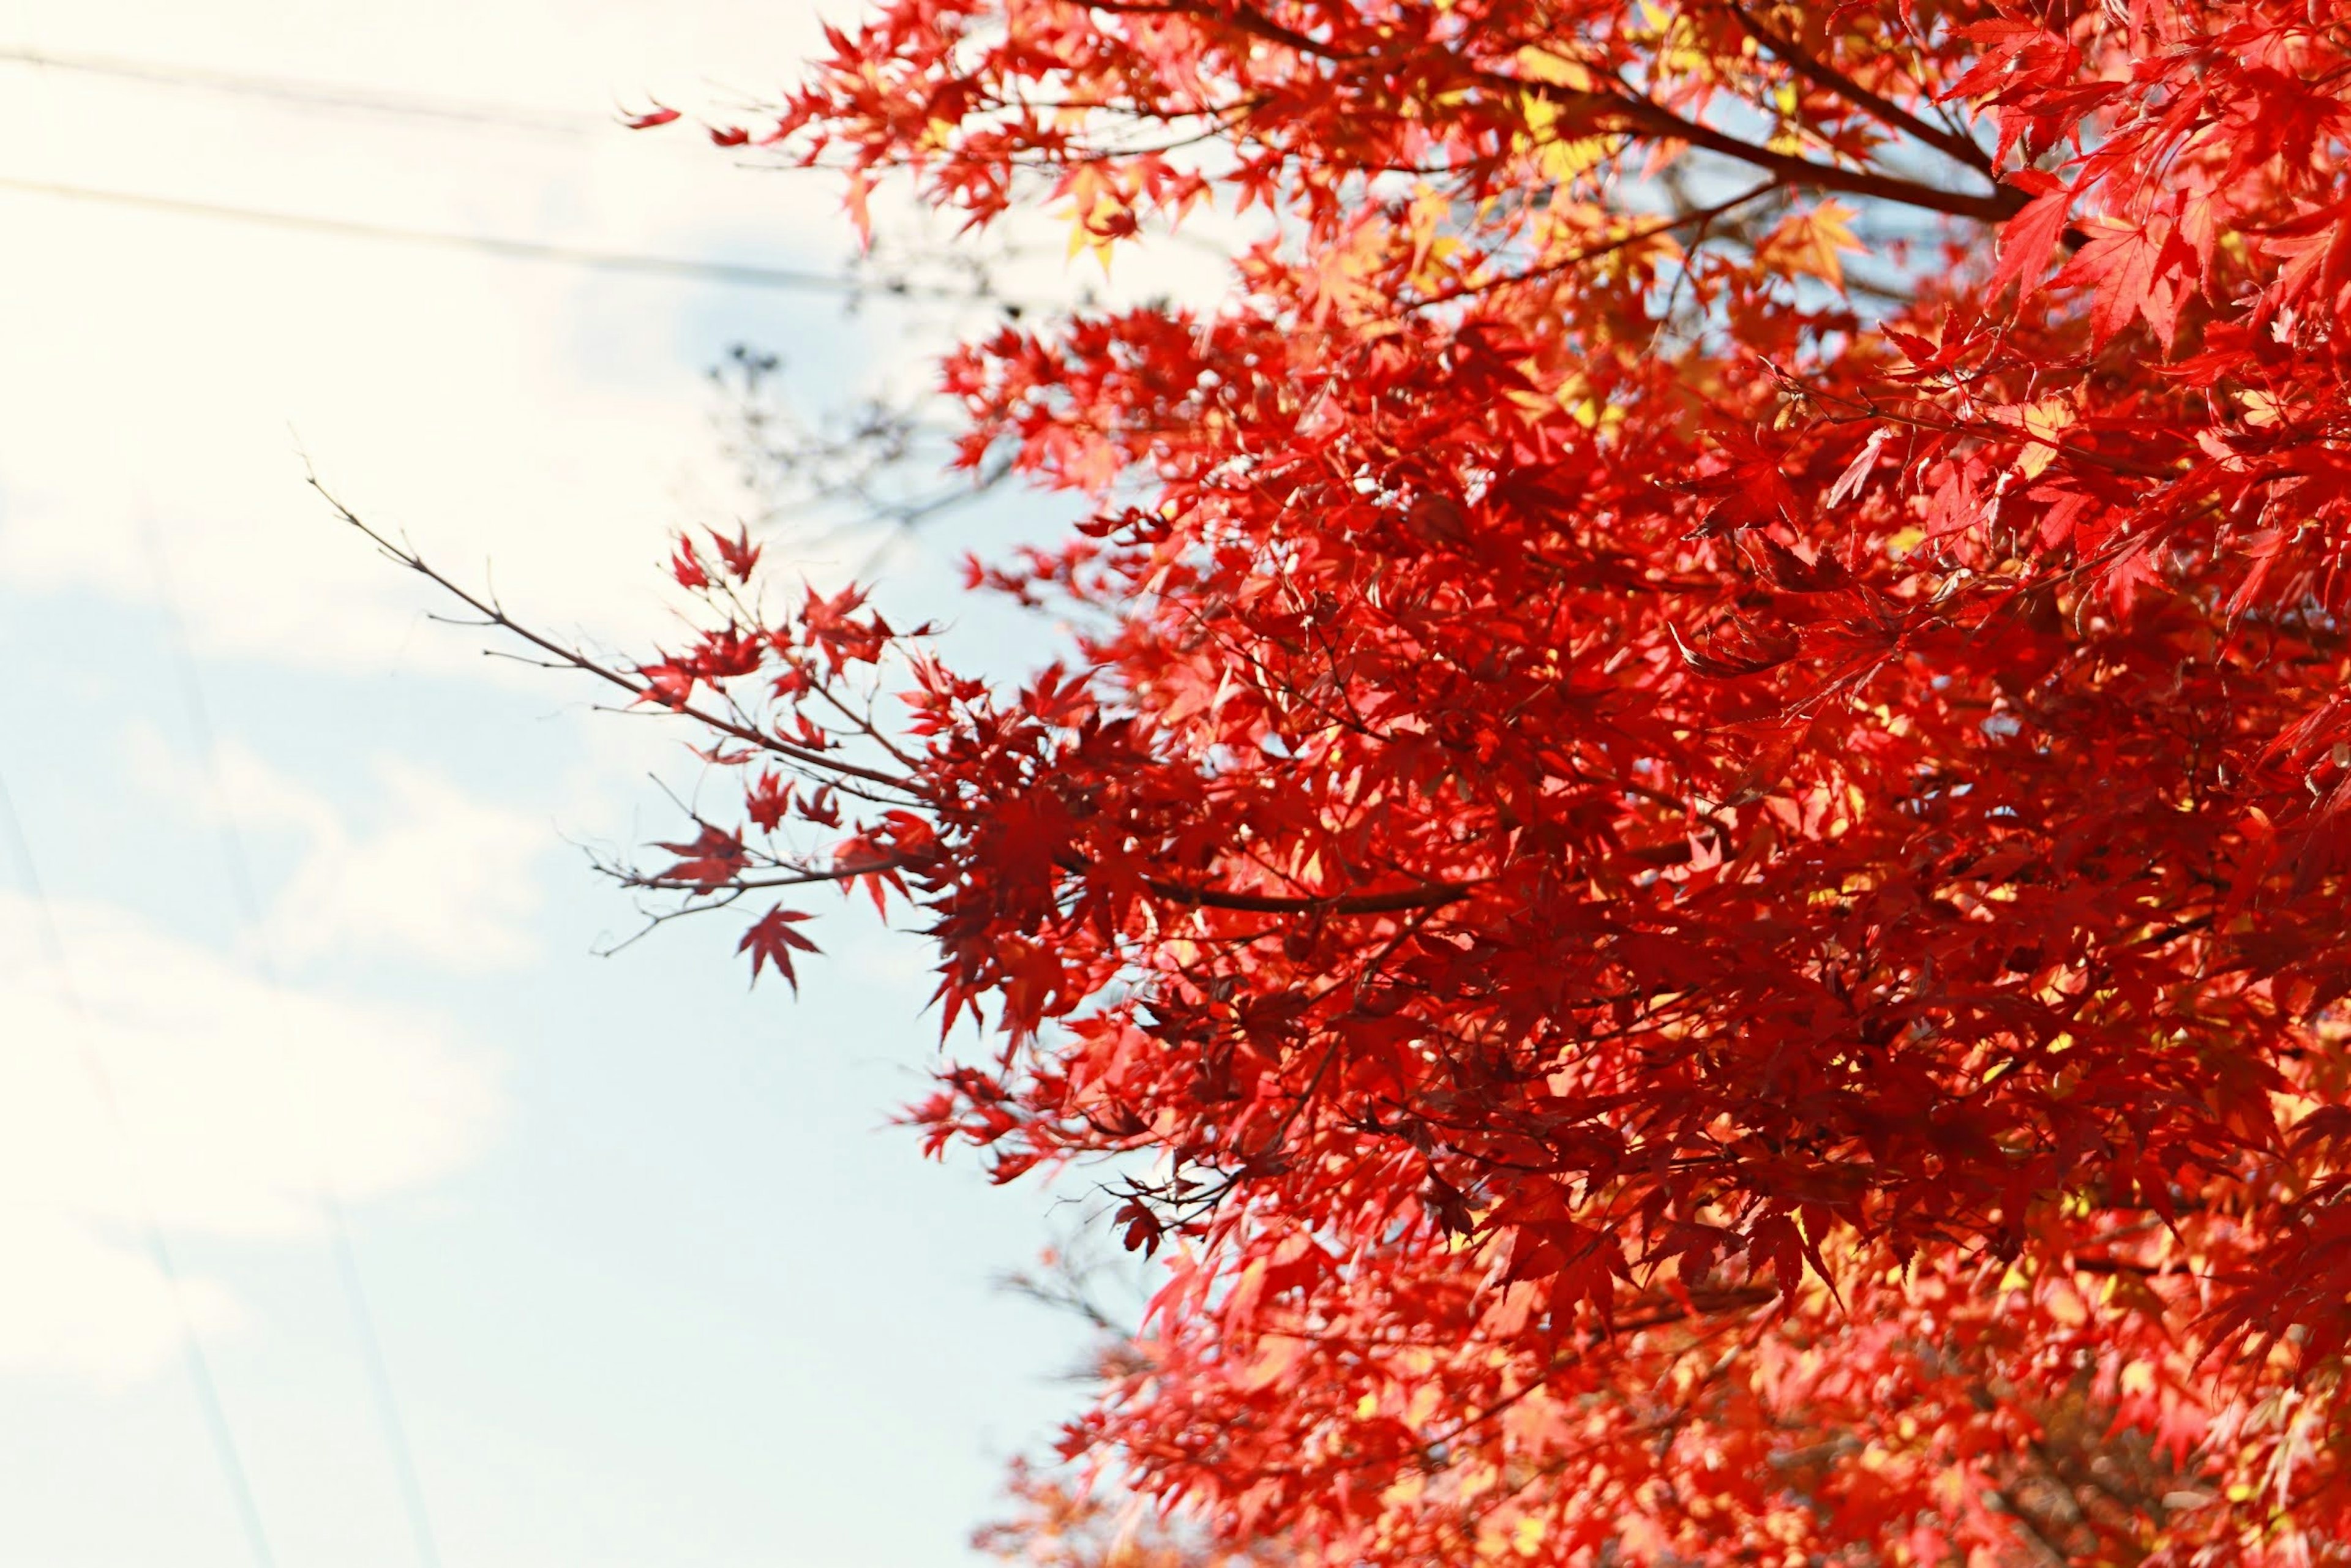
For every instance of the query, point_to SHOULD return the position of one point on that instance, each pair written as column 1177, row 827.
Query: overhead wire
column 244, row 890
column 311, row 94
column 743, row 275
column 246, row 895
column 159, row 1247
column 244, row 886
column 308, row 94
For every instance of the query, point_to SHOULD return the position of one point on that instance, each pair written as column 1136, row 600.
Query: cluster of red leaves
column 1720, row 888
column 1054, row 1523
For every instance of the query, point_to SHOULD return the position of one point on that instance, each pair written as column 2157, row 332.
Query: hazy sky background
column 654, row 1283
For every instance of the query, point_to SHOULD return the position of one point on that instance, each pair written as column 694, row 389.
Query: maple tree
column 1692, row 851
column 1057, row 1525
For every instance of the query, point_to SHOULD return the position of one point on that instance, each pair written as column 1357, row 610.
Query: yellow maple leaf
column 1557, row 69
column 2043, row 420
column 1098, row 214
column 1808, row 242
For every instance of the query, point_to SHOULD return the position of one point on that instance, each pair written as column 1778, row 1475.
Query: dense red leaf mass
column 1699, row 840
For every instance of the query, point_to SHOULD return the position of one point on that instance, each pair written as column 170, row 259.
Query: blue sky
column 654, row 1281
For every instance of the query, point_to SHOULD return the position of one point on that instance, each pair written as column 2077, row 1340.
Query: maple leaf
column 2120, row 264
column 2029, row 239
column 1734, row 645
column 709, row 861
column 740, row 555
column 770, row 940
column 686, row 567
column 1808, row 242
column 768, row 799
column 668, row 682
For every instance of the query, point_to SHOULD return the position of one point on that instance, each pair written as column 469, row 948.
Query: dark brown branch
column 1594, row 252
column 1638, row 113
column 494, row 614
column 1631, row 112
column 1433, row 897
column 755, row 884
column 1882, row 109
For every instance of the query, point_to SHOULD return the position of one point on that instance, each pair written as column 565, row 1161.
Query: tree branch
column 1432, row 896
column 1884, row 111
column 1636, row 113
column 494, row 614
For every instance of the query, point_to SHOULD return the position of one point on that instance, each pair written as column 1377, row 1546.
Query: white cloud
column 165, row 366
column 236, row 1103
column 443, row 877
column 551, row 422
column 90, row 1305
column 430, row 873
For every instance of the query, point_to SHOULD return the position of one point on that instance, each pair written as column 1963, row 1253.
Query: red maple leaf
column 708, row 862
column 770, row 940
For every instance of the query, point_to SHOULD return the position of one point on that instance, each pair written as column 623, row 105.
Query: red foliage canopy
column 1721, row 884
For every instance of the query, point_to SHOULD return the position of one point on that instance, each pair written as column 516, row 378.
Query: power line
column 158, row 1248
column 741, row 274
column 247, row 897
column 313, row 94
